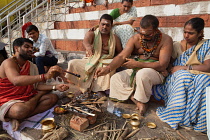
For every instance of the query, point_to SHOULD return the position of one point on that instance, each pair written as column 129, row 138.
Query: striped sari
column 184, row 94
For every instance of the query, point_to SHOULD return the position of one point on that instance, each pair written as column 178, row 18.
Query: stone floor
column 161, row 132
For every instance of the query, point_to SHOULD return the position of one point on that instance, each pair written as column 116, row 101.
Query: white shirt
column 44, row 44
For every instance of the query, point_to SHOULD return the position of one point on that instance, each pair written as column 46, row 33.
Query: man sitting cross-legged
column 21, row 94
column 101, row 46
column 153, row 50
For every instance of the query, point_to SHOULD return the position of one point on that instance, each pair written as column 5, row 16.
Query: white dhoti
column 78, row 66
column 145, row 78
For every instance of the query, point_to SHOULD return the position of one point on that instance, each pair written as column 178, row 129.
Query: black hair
column 149, row 20
column 32, row 27
column 107, row 17
column 196, row 23
column 131, row 1
column 20, row 41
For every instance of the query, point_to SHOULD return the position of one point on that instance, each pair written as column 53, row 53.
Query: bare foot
column 142, row 107
column 15, row 124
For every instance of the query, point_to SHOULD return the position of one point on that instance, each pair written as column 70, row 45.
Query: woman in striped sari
column 184, row 91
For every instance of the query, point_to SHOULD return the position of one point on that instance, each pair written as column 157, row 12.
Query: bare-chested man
column 153, row 49
column 21, row 93
column 101, row 46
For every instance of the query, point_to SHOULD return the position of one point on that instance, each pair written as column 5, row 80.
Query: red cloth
column 10, row 92
column 24, row 27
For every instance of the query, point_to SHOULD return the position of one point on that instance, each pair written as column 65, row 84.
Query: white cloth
column 32, row 122
column 44, row 44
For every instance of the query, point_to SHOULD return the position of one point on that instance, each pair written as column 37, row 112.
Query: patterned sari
column 184, row 94
column 125, row 31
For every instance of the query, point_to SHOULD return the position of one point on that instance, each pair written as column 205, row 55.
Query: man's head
column 148, row 27
column 193, row 30
column 33, row 32
column 105, row 24
column 23, row 47
column 126, row 5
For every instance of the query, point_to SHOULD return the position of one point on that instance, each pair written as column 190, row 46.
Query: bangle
column 42, row 77
column 54, row 88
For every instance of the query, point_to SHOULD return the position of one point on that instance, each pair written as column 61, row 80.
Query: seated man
column 21, row 95
column 46, row 55
column 101, row 46
column 153, row 49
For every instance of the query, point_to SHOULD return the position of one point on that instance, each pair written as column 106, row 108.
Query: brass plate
column 151, row 125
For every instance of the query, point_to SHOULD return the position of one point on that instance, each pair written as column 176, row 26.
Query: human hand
column 54, row 70
column 89, row 51
column 176, row 68
column 62, row 87
column 165, row 73
column 102, row 71
column 130, row 63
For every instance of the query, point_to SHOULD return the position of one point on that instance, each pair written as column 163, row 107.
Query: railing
column 31, row 11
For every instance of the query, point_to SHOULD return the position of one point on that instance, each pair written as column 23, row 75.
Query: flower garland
column 148, row 52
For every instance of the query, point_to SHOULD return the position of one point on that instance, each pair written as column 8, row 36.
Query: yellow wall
column 4, row 3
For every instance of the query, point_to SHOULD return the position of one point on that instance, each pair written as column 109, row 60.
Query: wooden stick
column 95, row 127
column 108, row 130
column 106, row 127
column 121, row 128
column 98, row 102
column 132, row 133
column 78, row 108
column 93, row 108
column 122, row 137
column 177, row 131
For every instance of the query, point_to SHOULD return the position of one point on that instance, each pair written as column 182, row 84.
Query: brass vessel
column 135, row 121
column 48, row 125
column 126, row 116
column 151, row 125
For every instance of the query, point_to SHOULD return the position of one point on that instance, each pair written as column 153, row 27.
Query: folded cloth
column 32, row 122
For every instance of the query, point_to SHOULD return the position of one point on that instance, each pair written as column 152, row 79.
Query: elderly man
column 101, row 46
column 45, row 54
column 153, row 50
column 21, row 94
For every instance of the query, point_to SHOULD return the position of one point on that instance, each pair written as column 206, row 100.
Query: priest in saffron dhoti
column 101, row 46
column 22, row 93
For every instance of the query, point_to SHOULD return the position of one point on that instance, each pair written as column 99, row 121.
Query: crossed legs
column 38, row 104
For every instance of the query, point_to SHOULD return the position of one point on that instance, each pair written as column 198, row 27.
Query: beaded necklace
column 148, row 52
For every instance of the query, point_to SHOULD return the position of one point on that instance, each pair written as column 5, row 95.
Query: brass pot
column 48, row 125
column 135, row 121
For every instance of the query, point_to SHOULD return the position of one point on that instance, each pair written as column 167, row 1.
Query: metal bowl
column 135, row 123
column 48, row 125
column 151, row 125
column 126, row 116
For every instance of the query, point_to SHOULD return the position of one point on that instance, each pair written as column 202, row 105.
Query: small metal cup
column 48, row 125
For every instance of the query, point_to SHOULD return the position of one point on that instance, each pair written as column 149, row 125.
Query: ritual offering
column 151, row 125
column 59, row 110
column 48, row 125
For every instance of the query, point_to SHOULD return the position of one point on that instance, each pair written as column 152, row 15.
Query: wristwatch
column 53, row 88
